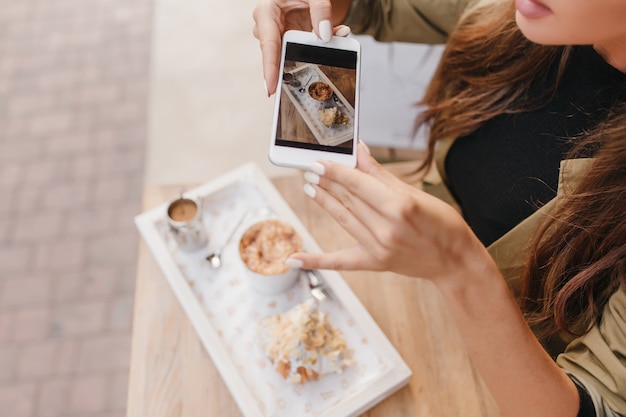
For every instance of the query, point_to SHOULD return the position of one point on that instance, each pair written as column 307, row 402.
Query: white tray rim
column 391, row 381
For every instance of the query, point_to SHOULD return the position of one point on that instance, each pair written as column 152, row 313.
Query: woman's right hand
column 272, row 18
column 398, row 227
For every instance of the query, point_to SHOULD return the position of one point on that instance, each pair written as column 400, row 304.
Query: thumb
column 353, row 259
column 321, row 19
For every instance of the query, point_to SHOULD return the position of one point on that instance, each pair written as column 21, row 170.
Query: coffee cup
column 184, row 217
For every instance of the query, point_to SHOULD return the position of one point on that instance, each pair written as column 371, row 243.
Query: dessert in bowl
column 264, row 247
column 320, row 91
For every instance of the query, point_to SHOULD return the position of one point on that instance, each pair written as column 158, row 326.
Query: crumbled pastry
column 332, row 117
column 302, row 345
column 266, row 245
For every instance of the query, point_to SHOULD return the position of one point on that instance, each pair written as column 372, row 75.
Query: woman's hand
column 398, row 227
column 272, row 18
column 402, row 229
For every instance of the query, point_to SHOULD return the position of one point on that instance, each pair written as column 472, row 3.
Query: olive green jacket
column 596, row 360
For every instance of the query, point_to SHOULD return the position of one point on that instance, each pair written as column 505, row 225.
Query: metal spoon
column 215, row 257
column 303, row 88
column 316, row 285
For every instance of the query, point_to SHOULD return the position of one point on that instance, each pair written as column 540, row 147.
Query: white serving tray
column 225, row 311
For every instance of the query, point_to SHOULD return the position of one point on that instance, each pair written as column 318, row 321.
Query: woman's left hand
column 398, row 227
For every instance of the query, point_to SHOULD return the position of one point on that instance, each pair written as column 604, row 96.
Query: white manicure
column 293, row 263
column 312, row 177
column 317, row 168
column 309, row 190
column 343, row 31
column 326, row 30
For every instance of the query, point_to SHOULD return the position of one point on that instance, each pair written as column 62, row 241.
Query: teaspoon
column 303, row 88
column 215, row 257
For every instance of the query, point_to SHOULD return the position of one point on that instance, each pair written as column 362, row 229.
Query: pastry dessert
column 332, row 117
column 302, row 345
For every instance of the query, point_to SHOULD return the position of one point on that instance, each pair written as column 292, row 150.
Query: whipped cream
column 302, row 345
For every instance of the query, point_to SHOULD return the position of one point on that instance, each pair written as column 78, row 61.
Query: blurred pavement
column 73, row 108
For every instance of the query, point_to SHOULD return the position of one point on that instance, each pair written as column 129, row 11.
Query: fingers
column 344, row 260
column 273, row 17
column 365, row 160
column 271, row 61
column 378, row 217
column 375, row 207
column 361, row 192
column 342, row 30
column 369, row 165
column 321, row 18
column 268, row 30
column 345, row 209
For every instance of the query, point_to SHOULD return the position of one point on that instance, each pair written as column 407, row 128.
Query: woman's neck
column 614, row 53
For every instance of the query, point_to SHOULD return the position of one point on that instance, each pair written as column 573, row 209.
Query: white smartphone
column 316, row 115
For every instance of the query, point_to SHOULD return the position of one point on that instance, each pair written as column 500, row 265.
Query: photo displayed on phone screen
column 317, row 99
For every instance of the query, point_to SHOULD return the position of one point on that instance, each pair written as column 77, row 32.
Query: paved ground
column 73, row 104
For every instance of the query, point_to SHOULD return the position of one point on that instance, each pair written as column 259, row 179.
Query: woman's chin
column 537, row 32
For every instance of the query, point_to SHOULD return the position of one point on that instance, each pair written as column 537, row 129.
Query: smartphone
column 316, row 113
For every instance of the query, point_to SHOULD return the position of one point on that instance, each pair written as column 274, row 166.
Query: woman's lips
column 532, row 9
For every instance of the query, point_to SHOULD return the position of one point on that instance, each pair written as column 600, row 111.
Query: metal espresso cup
column 184, row 216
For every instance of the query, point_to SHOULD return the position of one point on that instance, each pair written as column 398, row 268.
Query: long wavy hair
column 579, row 253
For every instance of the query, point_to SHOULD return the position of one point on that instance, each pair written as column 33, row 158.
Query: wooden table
column 172, row 375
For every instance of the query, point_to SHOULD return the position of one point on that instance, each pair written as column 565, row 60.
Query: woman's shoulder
column 420, row 21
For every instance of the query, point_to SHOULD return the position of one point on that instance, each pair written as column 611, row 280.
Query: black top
column 506, row 169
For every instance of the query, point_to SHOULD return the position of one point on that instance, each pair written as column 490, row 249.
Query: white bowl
column 272, row 284
column 267, row 273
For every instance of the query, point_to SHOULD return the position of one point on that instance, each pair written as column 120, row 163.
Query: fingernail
column 365, row 147
column 317, row 168
column 293, row 263
column 309, row 190
column 326, row 30
column 267, row 93
column 312, row 177
column 343, row 31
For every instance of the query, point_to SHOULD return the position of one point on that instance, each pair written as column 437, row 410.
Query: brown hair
column 580, row 252
column 481, row 75
column 578, row 257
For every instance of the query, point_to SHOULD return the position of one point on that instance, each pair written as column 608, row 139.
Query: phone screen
column 317, row 100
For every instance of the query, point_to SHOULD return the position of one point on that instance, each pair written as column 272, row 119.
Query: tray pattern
column 308, row 107
column 225, row 312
